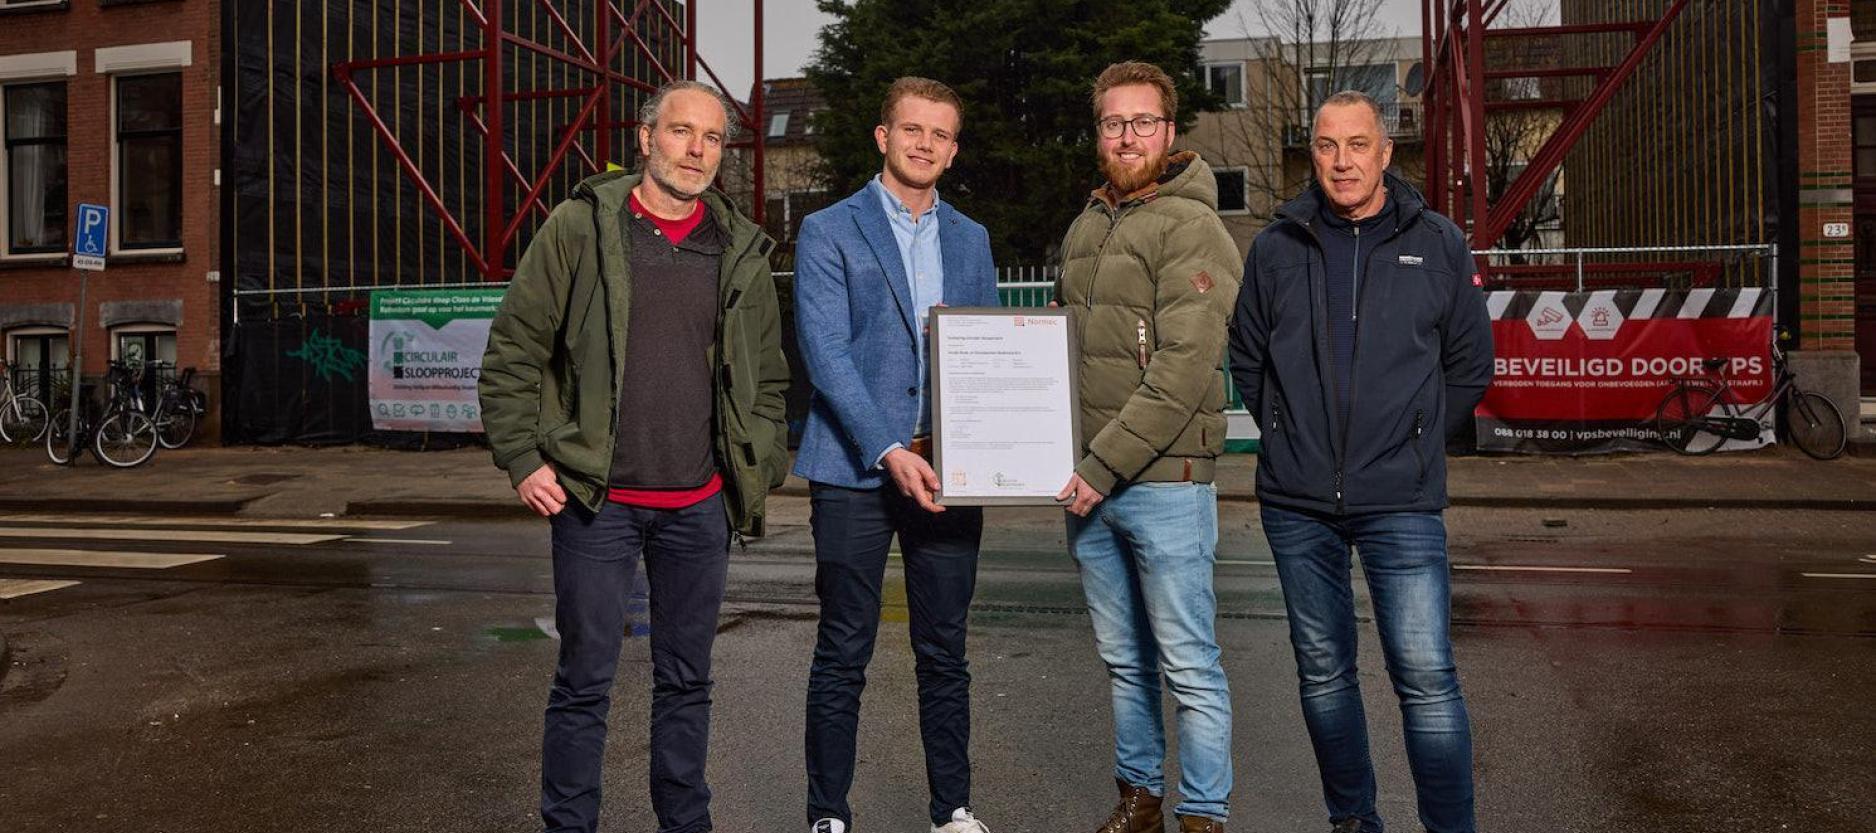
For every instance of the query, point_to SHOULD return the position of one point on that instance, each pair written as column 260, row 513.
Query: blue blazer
column 855, row 324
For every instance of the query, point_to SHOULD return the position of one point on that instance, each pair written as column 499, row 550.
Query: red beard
column 1125, row 180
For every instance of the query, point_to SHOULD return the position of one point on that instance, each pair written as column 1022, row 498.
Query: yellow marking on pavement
column 103, row 558
column 147, row 535
column 1840, row 575
column 13, row 588
column 425, row 542
column 1523, row 569
column 211, row 521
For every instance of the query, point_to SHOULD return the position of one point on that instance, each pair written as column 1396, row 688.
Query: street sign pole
column 88, row 248
column 77, row 365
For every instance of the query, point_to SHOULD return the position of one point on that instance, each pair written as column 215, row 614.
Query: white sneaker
column 961, row 822
column 829, row 826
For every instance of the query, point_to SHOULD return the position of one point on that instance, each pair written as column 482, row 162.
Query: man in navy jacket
column 868, row 271
column 1360, row 344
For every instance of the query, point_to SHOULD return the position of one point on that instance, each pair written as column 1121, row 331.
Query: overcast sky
column 793, row 25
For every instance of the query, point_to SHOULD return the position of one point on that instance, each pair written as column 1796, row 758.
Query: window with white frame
column 32, row 163
column 148, row 136
column 1233, row 190
column 139, row 343
column 778, row 125
column 35, row 357
column 1378, row 81
column 1227, row 82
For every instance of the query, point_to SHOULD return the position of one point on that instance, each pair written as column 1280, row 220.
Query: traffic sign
column 94, row 223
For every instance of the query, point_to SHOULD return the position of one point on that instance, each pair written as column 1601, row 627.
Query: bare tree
column 1300, row 52
column 1514, row 135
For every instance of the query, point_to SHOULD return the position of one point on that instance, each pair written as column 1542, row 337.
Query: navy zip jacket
column 1420, row 360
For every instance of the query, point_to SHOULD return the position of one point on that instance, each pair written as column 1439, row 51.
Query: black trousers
column 853, row 529
column 686, row 555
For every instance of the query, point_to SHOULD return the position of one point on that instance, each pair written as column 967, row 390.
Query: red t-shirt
column 675, row 231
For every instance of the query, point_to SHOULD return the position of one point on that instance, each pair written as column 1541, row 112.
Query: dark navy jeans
column 853, row 529
column 686, row 556
column 1403, row 555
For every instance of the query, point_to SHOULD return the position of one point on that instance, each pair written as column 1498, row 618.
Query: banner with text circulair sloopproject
column 426, row 356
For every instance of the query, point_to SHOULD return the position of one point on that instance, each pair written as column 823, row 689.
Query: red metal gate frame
column 614, row 28
column 1453, row 50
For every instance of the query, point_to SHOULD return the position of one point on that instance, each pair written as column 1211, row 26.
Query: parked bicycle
column 118, row 433
column 1701, row 413
column 179, row 407
column 22, row 418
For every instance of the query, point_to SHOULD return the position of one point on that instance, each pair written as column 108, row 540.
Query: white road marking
column 423, row 541
column 103, row 558
column 13, row 588
column 145, row 535
column 1868, row 559
column 1252, row 563
column 1840, row 575
column 210, row 521
column 1526, row 569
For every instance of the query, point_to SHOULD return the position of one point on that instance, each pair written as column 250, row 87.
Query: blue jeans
column 1404, row 557
column 686, row 555
column 1146, row 555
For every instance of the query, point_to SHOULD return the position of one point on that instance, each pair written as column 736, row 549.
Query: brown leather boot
column 1200, row 824
column 1137, row 812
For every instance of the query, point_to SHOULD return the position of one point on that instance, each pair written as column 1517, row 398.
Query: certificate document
column 1005, row 414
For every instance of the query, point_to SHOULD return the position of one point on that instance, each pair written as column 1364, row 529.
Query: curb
column 506, row 509
column 122, row 505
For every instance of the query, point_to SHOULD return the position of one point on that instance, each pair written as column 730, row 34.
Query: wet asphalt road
column 1629, row 671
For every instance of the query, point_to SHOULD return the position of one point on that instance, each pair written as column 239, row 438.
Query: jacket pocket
column 1420, row 454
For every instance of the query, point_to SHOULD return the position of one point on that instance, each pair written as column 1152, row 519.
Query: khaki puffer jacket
column 1152, row 278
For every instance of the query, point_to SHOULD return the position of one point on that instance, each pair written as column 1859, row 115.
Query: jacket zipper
column 1354, row 312
column 1113, row 222
column 1141, row 329
column 1361, row 274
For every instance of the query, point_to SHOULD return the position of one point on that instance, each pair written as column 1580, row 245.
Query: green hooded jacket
column 1152, row 278
column 556, row 352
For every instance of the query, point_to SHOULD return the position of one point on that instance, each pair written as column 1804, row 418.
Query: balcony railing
column 1403, row 124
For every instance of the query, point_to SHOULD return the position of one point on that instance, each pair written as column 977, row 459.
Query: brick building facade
column 112, row 102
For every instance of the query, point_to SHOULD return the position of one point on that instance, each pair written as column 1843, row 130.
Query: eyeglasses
column 1143, row 126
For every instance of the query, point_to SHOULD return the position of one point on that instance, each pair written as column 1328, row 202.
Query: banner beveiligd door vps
column 1583, row 372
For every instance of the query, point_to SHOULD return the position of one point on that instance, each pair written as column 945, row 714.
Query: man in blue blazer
column 868, row 271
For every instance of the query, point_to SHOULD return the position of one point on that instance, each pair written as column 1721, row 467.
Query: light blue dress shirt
column 924, row 267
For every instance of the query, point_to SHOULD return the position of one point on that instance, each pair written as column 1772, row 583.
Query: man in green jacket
column 1152, row 275
column 632, row 389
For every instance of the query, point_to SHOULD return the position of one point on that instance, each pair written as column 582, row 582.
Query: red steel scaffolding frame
column 1453, row 50
column 613, row 28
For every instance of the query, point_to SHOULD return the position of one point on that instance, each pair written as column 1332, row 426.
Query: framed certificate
column 1006, row 417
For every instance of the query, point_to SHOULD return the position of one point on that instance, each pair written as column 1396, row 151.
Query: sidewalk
column 355, row 480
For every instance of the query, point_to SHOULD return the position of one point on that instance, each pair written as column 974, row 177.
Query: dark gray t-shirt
column 666, row 397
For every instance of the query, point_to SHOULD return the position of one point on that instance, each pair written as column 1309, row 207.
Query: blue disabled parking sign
column 94, row 222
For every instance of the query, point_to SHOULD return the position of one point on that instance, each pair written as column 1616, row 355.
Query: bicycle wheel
column 23, row 421
column 1680, row 420
column 125, row 439
column 1814, row 424
column 175, row 425
column 59, row 447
